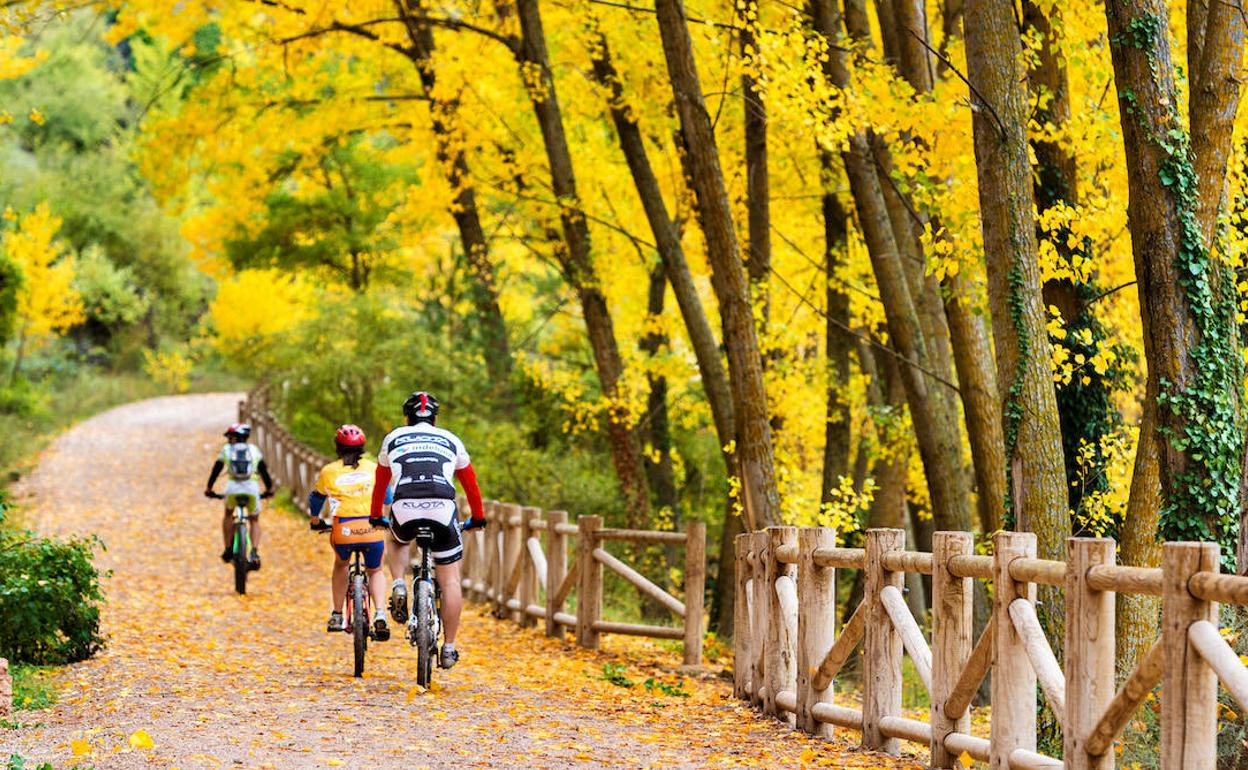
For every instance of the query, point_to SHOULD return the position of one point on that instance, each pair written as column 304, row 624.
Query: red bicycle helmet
column 240, row 429
column 349, row 435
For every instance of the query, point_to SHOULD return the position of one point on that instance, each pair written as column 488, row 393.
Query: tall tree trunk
column 754, row 448
column 1187, row 299
column 1214, row 52
column 701, row 336
column 444, row 115
column 577, row 262
column 934, row 417
column 1033, row 441
column 758, row 189
column 964, row 330
column 837, row 339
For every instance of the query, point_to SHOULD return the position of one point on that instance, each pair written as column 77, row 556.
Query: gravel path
column 218, row 680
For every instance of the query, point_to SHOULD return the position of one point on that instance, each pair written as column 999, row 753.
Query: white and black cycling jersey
column 422, row 460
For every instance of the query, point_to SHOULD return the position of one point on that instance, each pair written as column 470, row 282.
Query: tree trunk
column 838, row 341
column 701, row 336
column 753, row 430
column 444, row 116
column 577, row 263
column 1139, row 616
column 758, row 192
column 1214, row 52
column 1187, row 301
column 966, row 332
column 1033, row 442
column 1032, row 435
column 934, row 417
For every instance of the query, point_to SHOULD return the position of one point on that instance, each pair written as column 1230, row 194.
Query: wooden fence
column 788, row 652
column 526, row 563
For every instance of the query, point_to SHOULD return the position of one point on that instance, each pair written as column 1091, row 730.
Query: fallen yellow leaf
column 966, row 759
column 141, row 740
column 79, row 747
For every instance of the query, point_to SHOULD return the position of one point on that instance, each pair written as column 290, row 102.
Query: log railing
column 788, row 652
column 528, row 564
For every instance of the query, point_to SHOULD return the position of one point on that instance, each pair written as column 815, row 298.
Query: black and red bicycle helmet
column 240, row 429
column 420, row 406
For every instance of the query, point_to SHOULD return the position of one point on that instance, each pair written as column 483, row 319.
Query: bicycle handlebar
column 464, row 526
column 214, row 495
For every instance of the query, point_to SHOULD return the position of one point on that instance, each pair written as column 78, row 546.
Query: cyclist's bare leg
column 255, row 532
column 227, row 528
column 339, row 583
column 397, row 558
column 452, row 599
column 376, row 587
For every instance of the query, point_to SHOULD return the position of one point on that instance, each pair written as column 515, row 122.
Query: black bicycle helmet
column 420, row 407
column 240, row 429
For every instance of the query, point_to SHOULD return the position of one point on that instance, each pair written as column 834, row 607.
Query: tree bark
column 966, row 332
column 1033, row 437
column 934, row 416
column 701, row 336
column 758, row 188
column 577, row 263
column 444, row 117
column 753, row 430
column 1213, row 102
column 837, row 340
column 1187, row 302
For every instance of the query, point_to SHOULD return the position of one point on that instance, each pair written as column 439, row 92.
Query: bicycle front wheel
column 426, row 639
column 359, row 622
column 241, row 567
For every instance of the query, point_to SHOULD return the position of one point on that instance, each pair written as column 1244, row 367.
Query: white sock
column 396, row 582
column 449, row 646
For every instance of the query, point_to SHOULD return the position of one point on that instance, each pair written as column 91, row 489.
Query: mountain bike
column 242, row 537
column 359, row 611
column 424, row 625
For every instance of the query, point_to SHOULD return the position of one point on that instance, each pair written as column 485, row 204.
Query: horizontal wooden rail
column 638, row 629
column 1127, row 580
column 1025, row 759
column 640, row 536
column 787, row 700
column 907, row 561
column 975, row 748
column 906, row 729
column 787, row 554
column 839, row 558
column 971, row 567
column 837, row 715
column 1042, row 571
column 1216, row 587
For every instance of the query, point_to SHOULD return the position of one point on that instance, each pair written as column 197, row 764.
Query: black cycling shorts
column 441, row 538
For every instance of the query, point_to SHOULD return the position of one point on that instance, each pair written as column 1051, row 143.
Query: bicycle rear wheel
column 359, row 622
column 426, row 640
column 241, row 567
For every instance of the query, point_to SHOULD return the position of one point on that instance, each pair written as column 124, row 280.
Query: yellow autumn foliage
column 47, row 302
column 255, row 305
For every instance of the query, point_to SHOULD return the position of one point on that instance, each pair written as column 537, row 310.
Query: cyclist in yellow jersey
column 344, row 491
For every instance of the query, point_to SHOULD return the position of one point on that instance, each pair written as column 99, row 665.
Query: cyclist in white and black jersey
column 418, row 464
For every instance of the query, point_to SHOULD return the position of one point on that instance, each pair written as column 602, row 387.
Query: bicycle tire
column 241, row 567
column 426, row 641
column 359, row 622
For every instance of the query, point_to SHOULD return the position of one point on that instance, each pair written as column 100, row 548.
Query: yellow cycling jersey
column 350, row 490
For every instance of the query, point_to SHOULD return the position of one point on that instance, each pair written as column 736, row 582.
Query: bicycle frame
column 424, row 572
column 357, row 570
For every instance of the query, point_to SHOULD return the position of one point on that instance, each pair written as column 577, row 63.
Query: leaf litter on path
column 195, row 676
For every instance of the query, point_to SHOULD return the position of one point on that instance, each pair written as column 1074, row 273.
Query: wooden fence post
column 780, row 665
column 1013, row 679
column 589, row 582
column 952, row 638
column 816, row 624
column 1189, row 690
column 695, row 590
column 513, row 553
column 556, row 568
column 1089, row 648
column 741, row 632
column 494, row 545
column 881, row 664
column 760, row 547
column 528, row 588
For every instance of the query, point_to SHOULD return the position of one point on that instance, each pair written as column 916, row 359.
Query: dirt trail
column 218, row 680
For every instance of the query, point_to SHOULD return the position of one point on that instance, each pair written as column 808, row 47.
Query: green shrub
column 32, row 688
column 49, row 598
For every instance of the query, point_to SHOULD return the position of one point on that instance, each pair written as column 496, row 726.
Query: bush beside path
column 195, row 676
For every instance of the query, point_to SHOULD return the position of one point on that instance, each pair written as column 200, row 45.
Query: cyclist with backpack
column 345, row 488
column 417, row 464
column 246, row 470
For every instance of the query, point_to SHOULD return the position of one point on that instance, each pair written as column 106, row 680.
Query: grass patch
column 33, row 688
